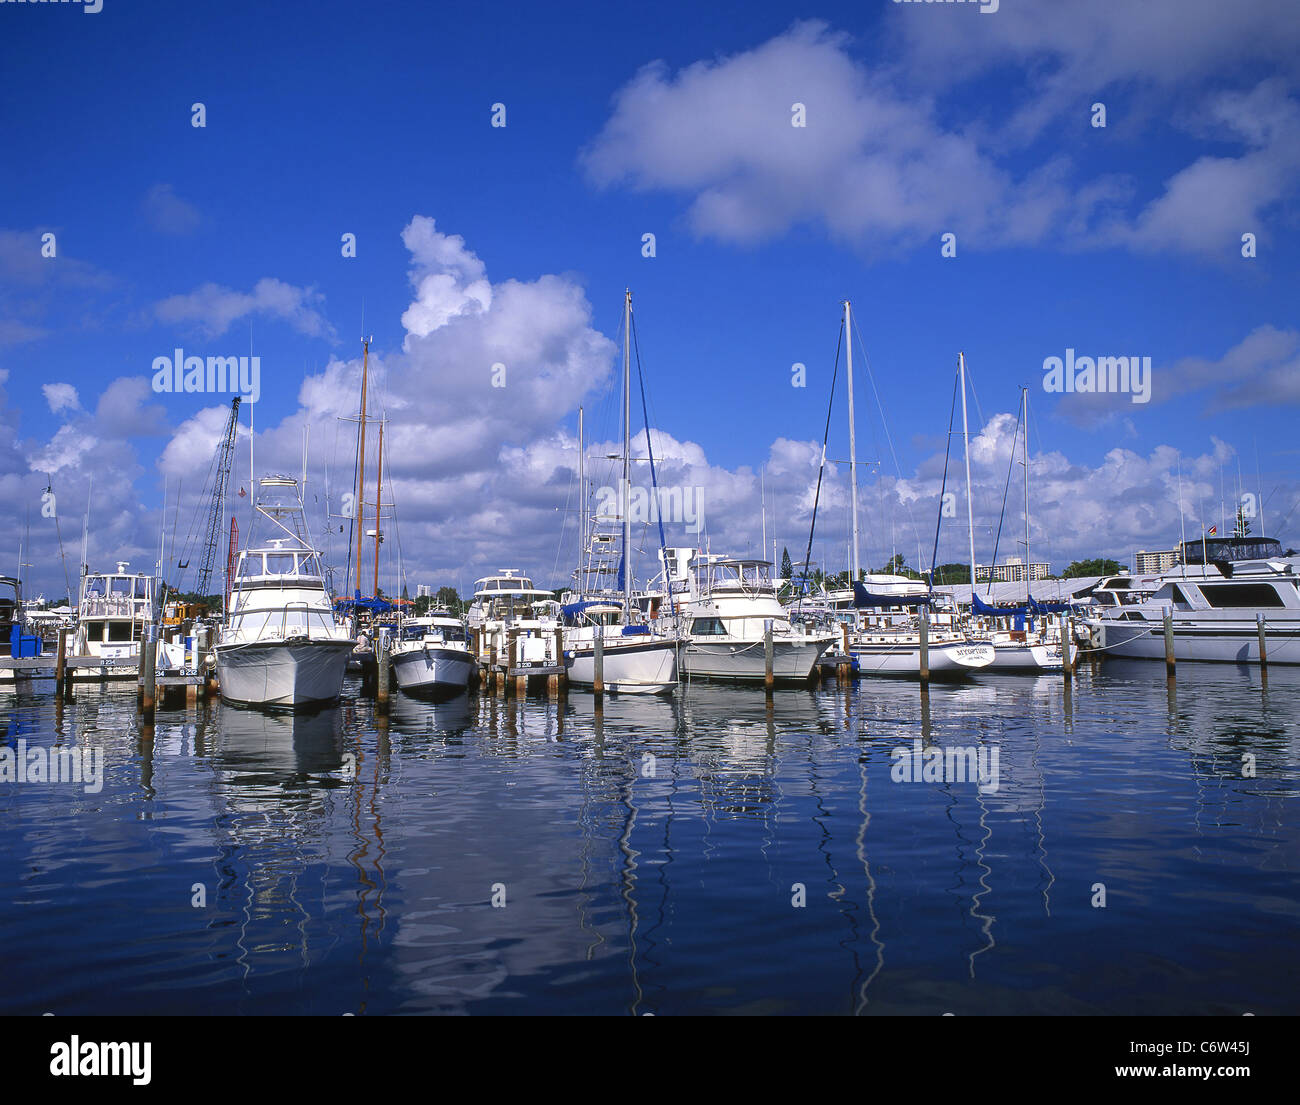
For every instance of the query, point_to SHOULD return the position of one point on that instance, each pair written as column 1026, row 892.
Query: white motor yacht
column 508, row 602
column 431, row 655
column 726, row 616
column 281, row 644
column 1215, row 615
column 114, row 615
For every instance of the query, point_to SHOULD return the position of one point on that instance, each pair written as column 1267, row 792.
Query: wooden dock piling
column 769, row 654
column 1169, row 641
column 555, row 683
column 924, row 670
column 148, row 676
column 1263, row 644
column 598, row 681
column 512, row 662
column 383, row 673
column 62, row 679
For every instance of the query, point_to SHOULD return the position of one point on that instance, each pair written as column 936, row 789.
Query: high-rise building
column 423, row 591
column 1150, row 563
column 1012, row 570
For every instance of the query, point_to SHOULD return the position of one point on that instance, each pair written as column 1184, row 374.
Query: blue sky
column 334, row 118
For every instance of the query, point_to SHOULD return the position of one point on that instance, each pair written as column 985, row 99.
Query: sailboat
column 887, row 641
column 636, row 657
column 366, row 612
column 281, row 644
column 1018, row 645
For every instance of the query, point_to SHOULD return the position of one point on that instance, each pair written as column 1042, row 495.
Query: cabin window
column 708, row 627
column 1241, row 594
column 119, row 631
column 280, row 564
column 94, row 631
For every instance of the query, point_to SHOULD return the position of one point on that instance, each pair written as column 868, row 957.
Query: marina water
column 700, row 854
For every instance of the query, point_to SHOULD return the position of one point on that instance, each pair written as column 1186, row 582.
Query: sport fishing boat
column 431, row 655
column 114, row 615
column 508, row 602
column 726, row 616
column 281, row 644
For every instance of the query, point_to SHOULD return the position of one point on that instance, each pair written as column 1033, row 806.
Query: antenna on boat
column 85, row 531
column 1259, row 483
column 252, row 472
column 1182, row 529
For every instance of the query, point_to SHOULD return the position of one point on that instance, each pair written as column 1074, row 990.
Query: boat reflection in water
column 284, row 781
column 279, row 749
column 715, row 851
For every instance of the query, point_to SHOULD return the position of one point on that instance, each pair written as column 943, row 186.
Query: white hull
column 1012, row 656
column 1235, row 642
column 634, row 668
column 283, row 673
column 431, row 669
column 947, row 659
column 744, row 660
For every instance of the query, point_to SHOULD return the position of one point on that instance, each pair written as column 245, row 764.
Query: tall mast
column 359, row 513
column 627, row 450
column 379, row 495
column 853, row 444
column 582, row 515
column 970, row 510
column 1029, row 572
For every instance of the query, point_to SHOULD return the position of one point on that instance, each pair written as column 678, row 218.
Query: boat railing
column 306, row 617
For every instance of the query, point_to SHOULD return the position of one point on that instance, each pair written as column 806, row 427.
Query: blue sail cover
column 358, row 603
column 1036, row 607
column 1033, row 606
column 572, row 609
column 862, row 597
column 979, row 606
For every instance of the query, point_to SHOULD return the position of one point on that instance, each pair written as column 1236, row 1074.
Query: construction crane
column 217, row 508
